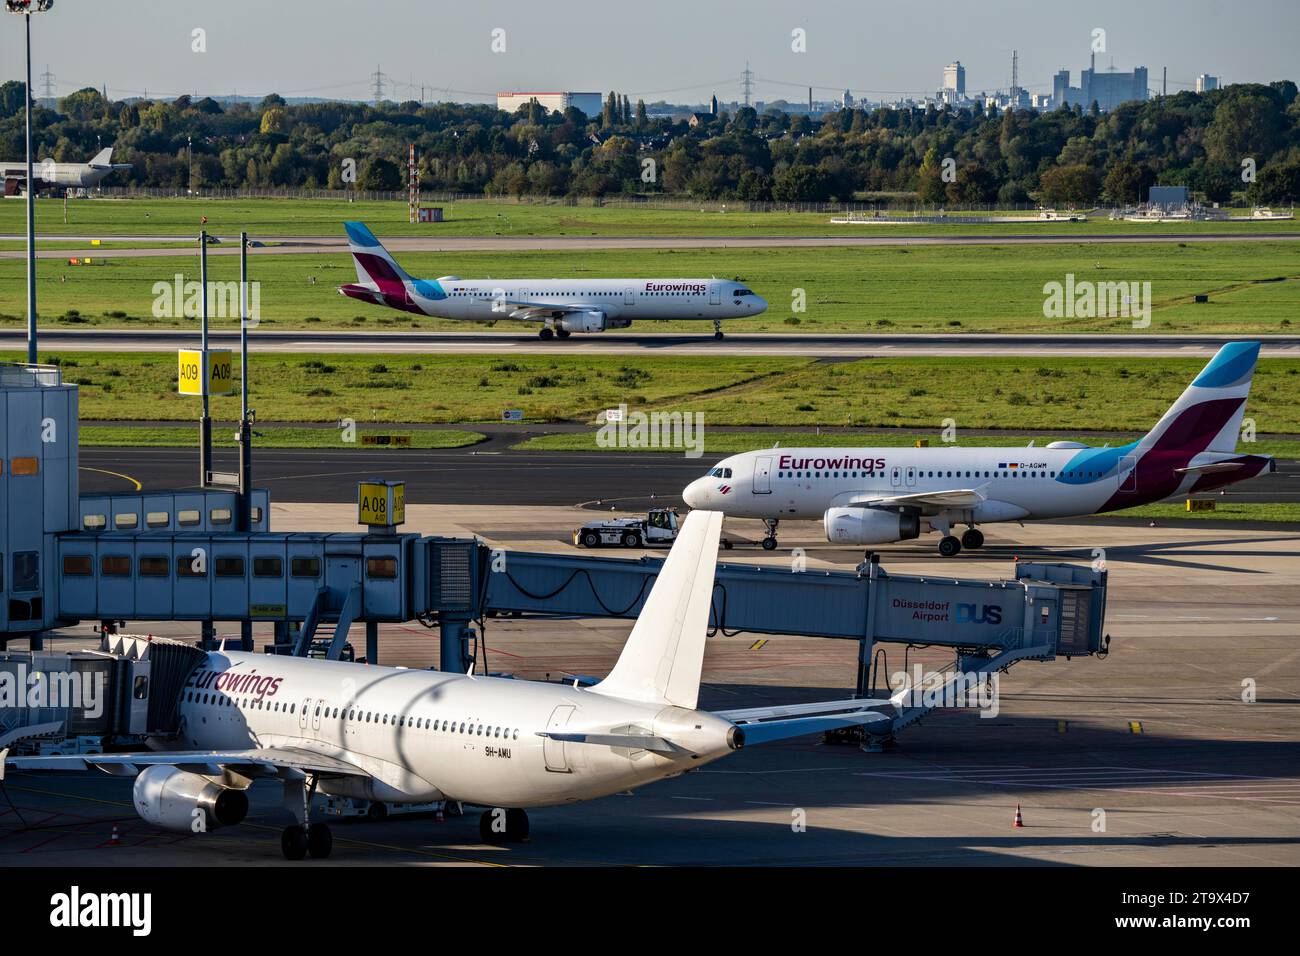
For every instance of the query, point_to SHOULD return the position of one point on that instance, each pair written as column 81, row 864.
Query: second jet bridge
column 1058, row 607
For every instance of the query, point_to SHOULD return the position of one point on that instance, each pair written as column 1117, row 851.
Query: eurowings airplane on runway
column 882, row 495
column 413, row 736
column 562, row 306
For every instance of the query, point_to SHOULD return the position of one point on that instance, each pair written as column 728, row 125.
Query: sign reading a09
column 190, row 363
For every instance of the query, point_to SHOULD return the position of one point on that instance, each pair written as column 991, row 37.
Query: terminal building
column 1108, row 89
column 588, row 103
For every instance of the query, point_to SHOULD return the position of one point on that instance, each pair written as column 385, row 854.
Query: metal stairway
column 317, row 615
column 971, row 669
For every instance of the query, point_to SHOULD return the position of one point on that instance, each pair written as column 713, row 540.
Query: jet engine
column 174, row 799
column 583, row 322
column 869, row 526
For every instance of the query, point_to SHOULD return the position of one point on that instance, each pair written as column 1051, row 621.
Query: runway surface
column 1149, row 757
column 525, row 341
column 312, row 245
column 488, row 471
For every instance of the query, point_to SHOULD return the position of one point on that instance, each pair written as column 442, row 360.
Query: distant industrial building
column 1108, row 89
column 1205, row 83
column 1168, row 198
column 589, row 103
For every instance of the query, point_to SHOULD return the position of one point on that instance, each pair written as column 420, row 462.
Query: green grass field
column 402, row 388
column 733, row 442
column 313, row 217
column 917, row 392
column 1231, row 511
column 182, row 436
column 1254, row 288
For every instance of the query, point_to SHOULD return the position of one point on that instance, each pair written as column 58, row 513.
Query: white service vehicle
column 659, row 526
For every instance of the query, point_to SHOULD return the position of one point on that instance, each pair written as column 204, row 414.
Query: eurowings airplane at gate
column 882, row 495
column 411, row 736
column 561, row 306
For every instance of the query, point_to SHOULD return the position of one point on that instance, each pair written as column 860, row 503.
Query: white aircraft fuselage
column 559, row 306
column 882, row 495
column 425, row 735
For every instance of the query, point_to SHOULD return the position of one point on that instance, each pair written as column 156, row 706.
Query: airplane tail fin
column 103, row 158
column 1207, row 416
column 662, row 658
column 373, row 261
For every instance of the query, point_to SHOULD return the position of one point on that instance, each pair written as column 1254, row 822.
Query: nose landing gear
column 306, row 838
column 717, row 329
column 769, row 542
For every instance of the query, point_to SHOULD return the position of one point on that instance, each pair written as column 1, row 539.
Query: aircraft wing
column 269, row 760
column 535, row 311
column 763, row 725
column 956, row 498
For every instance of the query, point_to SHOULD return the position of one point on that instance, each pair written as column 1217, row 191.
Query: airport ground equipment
column 125, row 691
column 659, row 526
column 182, row 556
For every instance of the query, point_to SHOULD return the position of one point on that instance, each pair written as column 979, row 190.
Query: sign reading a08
column 381, row 502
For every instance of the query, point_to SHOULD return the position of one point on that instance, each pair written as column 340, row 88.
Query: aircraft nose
column 761, row 305
column 695, row 494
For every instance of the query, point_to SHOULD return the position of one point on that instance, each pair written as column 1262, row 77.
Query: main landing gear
column 546, row 333
column 717, row 329
column 971, row 539
column 769, row 543
column 305, row 838
column 498, row 825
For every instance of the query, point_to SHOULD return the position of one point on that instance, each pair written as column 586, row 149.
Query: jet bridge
column 1043, row 611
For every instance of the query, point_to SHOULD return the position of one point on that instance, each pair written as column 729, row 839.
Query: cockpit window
column 720, row 473
column 739, row 292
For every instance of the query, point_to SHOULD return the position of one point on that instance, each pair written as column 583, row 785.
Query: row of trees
column 1240, row 141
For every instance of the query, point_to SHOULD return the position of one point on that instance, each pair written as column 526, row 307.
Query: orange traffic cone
column 1019, row 823
column 114, row 840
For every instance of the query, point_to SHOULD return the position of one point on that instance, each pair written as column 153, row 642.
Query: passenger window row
column 938, row 474
column 357, row 715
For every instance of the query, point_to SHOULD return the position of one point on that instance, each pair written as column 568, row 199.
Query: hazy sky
column 669, row 49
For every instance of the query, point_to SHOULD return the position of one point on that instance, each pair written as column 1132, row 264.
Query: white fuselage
column 1016, row 483
column 425, row 735
column 620, row 301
